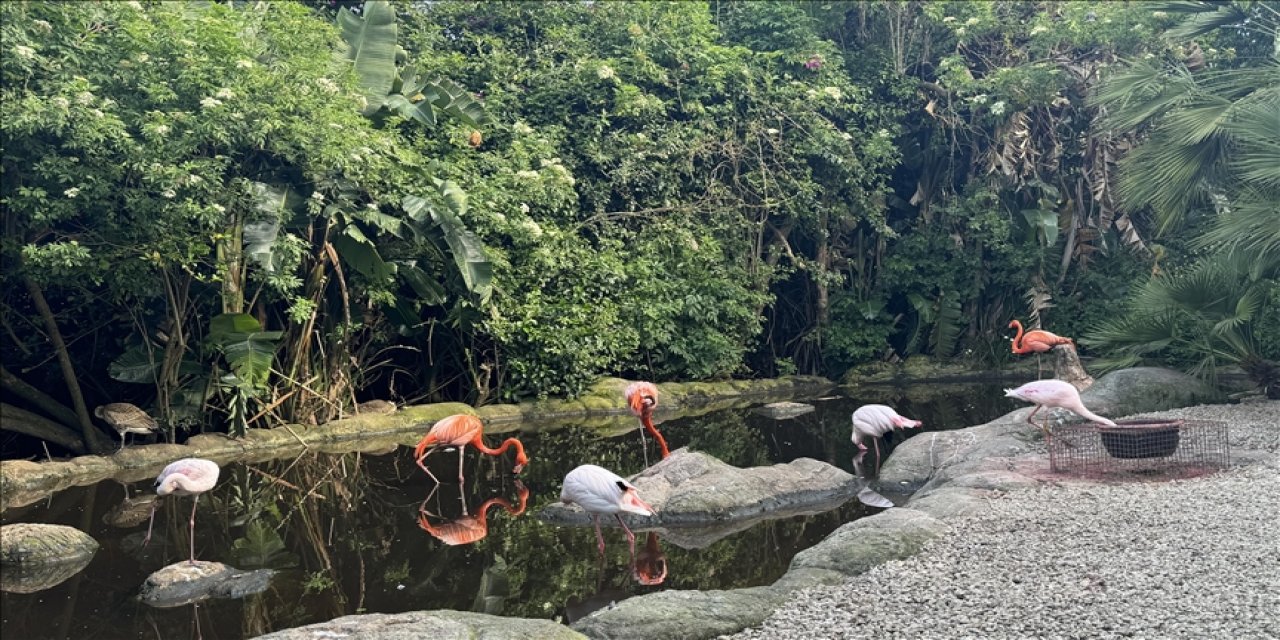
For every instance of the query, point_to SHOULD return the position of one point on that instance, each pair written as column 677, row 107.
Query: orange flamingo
column 470, row 528
column 643, row 397
column 650, row 566
column 460, row 431
column 1037, row 341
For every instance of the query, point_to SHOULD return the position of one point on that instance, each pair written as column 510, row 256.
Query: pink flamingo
column 871, row 421
column 459, row 431
column 1054, row 393
column 600, row 491
column 643, row 398
column 185, row 477
column 1036, row 341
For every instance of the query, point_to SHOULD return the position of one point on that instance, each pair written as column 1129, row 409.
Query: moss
column 431, row 413
column 500, row 413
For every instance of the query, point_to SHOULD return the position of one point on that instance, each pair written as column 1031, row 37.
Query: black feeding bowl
column 1132, row 439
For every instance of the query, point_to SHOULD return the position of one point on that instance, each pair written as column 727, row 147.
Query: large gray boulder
column 694, row 490
column 35, row 557
column 186, row 582
column 436, row 625
column 683, row 615
column 865, row 543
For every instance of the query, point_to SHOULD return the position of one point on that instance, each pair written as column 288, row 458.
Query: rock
column 35, row 557
column 867, row 542
column 1142, row 389
column 693, row 489
column 437, row 625
column 784, row 410
column 677, row 615
column 185, row 582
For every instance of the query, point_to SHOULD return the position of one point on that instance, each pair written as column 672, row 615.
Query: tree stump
column 1067, row 367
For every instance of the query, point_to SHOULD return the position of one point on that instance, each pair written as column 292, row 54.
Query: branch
column 15, row 385
column 21, row 421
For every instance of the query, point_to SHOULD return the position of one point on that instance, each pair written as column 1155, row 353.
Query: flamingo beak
column 631, row 502
column 518, row 468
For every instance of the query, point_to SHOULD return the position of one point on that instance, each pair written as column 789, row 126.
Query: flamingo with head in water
column 642, row 397
column 1054, row 393
column 459, row 431
column 186, row 477
column 871, row 421
column 602, row 492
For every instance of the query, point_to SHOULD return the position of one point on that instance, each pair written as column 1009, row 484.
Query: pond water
column 345, row 531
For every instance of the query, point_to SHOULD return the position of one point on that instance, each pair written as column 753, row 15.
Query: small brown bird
column 376, row 407
column 475, row 139
column 126, row 418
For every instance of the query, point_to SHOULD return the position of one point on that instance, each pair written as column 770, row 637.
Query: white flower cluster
column 328, row 86
column 210, row 103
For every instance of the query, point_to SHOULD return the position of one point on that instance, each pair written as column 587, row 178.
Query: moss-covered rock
column 413, row 625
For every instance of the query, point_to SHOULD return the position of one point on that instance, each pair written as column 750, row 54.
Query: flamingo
column 1037, row 341
column 185, row 477
column 125, row 419
column 871, row 421
column 650, row 567
column 468, row 529
column 1054, row 393
column 599, row 492
column 643, row 397
column 459, row 431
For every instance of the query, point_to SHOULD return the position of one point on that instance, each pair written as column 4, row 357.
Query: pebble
column 1195, row 558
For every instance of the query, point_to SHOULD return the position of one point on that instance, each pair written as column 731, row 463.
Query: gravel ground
column 1195, row 558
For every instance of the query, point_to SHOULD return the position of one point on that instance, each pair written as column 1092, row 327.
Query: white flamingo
column 871, row 421
column 601, row 492
column 1054, row 393
column 185, row 477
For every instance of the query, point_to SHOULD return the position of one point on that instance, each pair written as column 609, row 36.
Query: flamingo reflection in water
column 650, row 565
column 472, row 527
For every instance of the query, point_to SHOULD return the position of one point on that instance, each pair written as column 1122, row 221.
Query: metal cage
column 1141, row 448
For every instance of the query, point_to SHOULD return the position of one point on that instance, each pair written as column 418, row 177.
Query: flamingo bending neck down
column 1054, row 393
column 874, row 420
column 468, row 529
column 185, row 477
column 602, row 492
column 642, row 397
column 459, row 431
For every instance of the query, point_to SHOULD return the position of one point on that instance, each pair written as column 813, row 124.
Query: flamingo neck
column 1017, row 339
column 646, row 419
column 478, row 443
column 1080, row 409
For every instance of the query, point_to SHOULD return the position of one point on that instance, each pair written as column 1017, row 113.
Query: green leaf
column 134, row 365
column 249, row 351
column 1045, row 224
column 371, row 41
column 428, row 290
column 228, row 323
column 466, row 248
column 358, row 251
column 450, row 98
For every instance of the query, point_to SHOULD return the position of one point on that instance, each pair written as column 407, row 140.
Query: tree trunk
column 21, row 421
column 1067, row 367
column 93, row 438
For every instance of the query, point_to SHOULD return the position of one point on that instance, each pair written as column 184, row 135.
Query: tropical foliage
column 236, row 214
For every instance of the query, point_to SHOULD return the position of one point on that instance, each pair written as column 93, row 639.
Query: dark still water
column 348, row 533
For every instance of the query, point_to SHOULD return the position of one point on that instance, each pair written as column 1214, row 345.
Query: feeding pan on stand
column 1131, row 439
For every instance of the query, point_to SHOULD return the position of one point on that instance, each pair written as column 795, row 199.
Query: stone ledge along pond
column 345, row 531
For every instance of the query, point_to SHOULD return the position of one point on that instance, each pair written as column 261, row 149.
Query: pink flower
column 814, row 63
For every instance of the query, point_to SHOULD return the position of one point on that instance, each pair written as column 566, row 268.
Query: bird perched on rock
column 126, row 418
column 600, row 491
column 1054, row 393
column 376, row 407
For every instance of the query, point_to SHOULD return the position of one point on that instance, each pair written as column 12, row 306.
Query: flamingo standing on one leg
column 185, row 477
column 1054, row 393
column 1037, row 341
column 642, row 397
column 599, row 492
column 459, row 431
column 874, row 420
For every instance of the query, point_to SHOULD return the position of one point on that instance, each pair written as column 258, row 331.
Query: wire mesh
column 1140, row 448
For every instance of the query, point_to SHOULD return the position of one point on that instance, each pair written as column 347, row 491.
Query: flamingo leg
column 192, row 526
column 631, row 537
column 644, row 447
column 462, row 451
column 151, row 522
column 599, row 536
column 122, row 437
column 876, row 443
column 423, row 465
